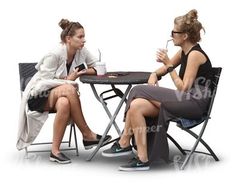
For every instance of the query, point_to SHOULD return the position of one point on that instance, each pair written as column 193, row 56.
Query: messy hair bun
column 64, row 23
column 191, row 16
column 68, row 28
column 189, row 24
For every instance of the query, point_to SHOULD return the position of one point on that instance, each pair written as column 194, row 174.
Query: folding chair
column 187, row 124
column 26, row 72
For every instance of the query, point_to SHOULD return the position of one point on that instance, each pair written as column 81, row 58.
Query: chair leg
column 205, row 144
column 176, row 144
column 26, row 153
column 69, row 142
column 72, row 130
column 75, row 137
column 199, row 139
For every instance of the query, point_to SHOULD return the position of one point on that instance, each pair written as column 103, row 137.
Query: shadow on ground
column 100, row 162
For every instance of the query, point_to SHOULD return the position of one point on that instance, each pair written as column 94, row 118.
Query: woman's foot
column 116, row 150
column 60, row 158
column 90, row 143
column 135, row 165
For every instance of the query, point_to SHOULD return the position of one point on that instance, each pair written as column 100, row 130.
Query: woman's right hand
column 153, row 80
column 161, row 56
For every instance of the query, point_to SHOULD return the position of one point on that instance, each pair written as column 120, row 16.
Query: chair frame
column 26, row 72
column 198, row 137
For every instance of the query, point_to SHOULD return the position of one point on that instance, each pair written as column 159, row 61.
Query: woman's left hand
column 153, row 80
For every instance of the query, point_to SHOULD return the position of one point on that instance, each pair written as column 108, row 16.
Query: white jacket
column 51, row 71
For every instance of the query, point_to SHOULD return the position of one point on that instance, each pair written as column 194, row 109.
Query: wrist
column 169, row 68
column 154, row 74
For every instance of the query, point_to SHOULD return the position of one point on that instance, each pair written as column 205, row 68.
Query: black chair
column 186, row 124
column 26, row 72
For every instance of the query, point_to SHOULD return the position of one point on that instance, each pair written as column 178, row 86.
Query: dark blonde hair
column 68, row 28
column 189, row 24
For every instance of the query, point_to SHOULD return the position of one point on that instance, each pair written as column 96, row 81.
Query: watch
column 170, row 69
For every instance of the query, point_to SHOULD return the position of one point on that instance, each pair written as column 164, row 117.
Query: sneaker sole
column 58, row 161
column 94, row 145
column 134, row 169
column 117, row 154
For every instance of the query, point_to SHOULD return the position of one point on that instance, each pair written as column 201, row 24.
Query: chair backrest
column 26, row 72
column 216, row 72
column 189, row 123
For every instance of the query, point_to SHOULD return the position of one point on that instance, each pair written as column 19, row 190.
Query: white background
column 128, row 32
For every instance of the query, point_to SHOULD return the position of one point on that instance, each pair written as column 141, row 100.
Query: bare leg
column 139, row 109
column 60, row 122
column 76, row 114
column 127, row 133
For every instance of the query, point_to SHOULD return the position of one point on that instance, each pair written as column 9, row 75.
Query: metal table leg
column 112, row 117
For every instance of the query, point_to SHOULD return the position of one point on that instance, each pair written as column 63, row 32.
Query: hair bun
column 192, row 15
column 64, row 23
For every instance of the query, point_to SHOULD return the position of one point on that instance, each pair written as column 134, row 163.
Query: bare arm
column 90, row 71
column 174, row 61
column 195, row 59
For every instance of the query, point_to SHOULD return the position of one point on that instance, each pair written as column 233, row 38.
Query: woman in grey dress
column 151, row 104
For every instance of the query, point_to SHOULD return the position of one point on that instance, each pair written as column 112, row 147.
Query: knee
column 63, row 105
column 69, row 89
column 134, row 106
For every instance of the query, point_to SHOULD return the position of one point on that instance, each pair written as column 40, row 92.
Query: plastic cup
column 101, row 68
column 159, row 50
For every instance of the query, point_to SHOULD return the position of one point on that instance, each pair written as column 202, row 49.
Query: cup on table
column 101, row 68
column 160, row 50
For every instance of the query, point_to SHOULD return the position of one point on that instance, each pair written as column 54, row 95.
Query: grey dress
column 174, row 104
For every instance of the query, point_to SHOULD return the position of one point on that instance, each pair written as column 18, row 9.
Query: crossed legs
column 135, row 124
column 65, row 101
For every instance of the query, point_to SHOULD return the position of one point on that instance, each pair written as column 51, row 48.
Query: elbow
column 182, row 87
column 185, row 87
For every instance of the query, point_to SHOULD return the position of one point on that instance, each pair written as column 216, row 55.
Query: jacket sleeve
column 48, row 66
column 90, row 59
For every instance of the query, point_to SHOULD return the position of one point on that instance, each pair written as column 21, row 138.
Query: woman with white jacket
column 53, row 88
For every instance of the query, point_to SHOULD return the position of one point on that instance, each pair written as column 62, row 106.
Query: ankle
column 143, row 158
column 124, row 143
column 89, row 136
column 55, row 152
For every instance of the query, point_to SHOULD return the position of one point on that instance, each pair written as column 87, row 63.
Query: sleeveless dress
column 191, row 104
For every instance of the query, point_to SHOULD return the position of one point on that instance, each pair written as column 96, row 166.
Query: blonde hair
column 189, row 24
column 68, row 28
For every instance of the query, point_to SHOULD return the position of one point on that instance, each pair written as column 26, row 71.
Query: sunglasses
column 176, row 32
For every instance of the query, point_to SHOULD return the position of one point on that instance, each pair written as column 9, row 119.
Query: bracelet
column 170, row 68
